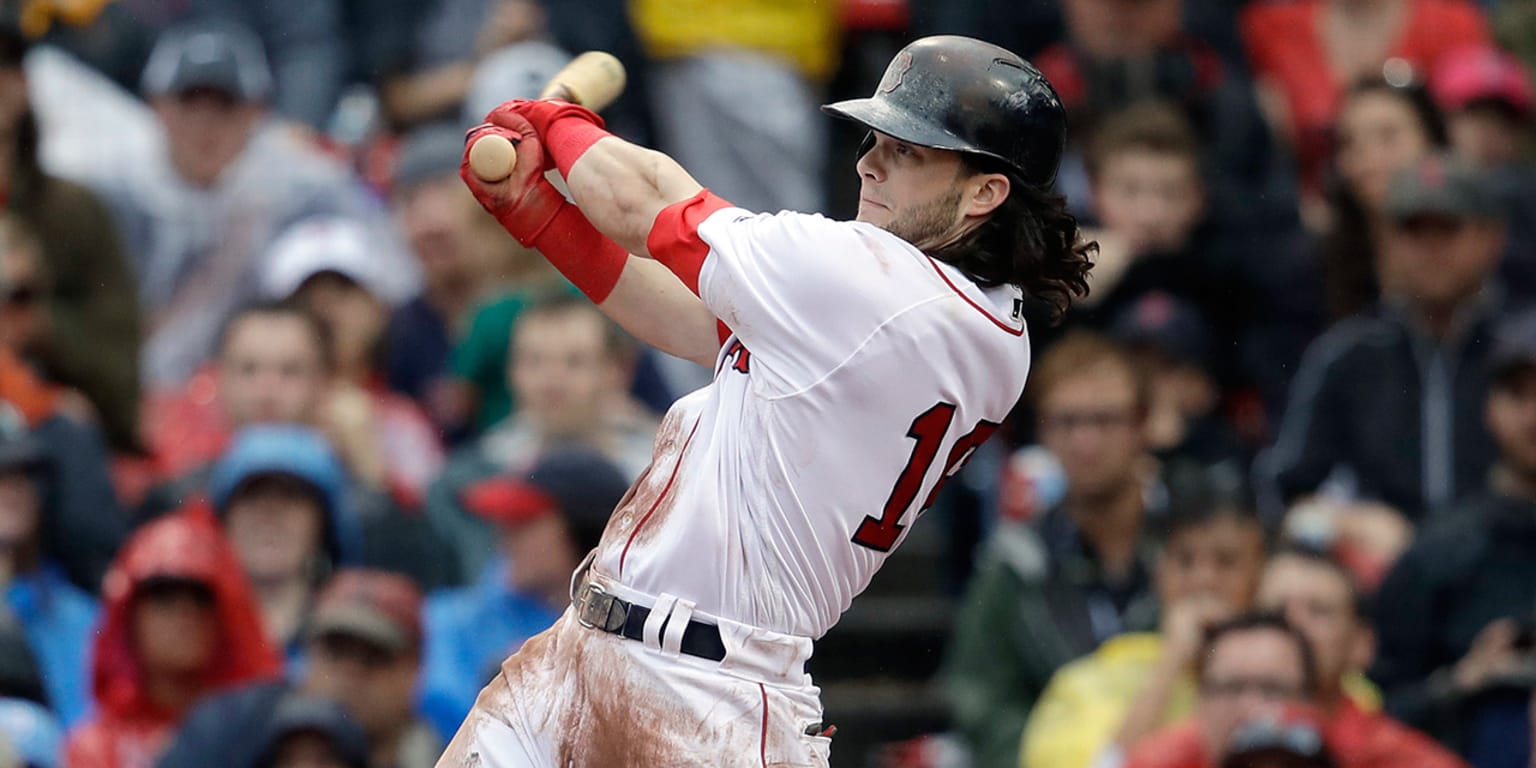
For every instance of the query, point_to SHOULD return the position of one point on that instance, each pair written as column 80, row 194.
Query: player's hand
column 525, row 202
column 540, row 113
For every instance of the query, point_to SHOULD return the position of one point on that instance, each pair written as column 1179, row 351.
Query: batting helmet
column 961, row 94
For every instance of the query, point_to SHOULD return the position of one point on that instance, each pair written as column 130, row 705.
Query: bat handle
column 492, row 158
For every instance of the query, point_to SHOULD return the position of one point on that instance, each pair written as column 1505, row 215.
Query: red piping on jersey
column 762, row 748
column 979, row 308
column 659, row 498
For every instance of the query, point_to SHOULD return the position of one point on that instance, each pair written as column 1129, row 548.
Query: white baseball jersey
column 861, row 374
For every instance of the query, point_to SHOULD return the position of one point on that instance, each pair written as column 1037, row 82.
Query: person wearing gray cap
column 1393, row 398
column 1455, row 618
column 198, row 211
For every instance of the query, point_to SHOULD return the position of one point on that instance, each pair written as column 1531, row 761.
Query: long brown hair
column 1031, row 241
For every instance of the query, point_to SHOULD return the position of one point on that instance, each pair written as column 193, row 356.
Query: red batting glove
column 566, row 129
column 541, row 113
column 524, row 202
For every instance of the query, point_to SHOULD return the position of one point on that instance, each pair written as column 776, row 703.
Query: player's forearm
column 620, row 187
column 655, row 307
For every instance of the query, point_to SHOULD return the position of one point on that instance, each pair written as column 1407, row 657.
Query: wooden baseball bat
column 593, row 79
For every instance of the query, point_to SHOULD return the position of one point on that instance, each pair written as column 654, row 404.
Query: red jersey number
column 928, row 429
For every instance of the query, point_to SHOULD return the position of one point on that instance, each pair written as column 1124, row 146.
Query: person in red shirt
column 180, row 623
column 1247, row 670
column 1307, row 53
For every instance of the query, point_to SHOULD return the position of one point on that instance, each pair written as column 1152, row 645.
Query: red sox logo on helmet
column 895, row 72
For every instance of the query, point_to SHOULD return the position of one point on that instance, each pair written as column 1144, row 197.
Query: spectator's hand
column 1493, row 656
column 1185, row 623
column 347, row 419
column 510, row 21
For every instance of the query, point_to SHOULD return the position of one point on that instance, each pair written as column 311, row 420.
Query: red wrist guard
column 532, row 214
column 567, row 139
column 587, row 258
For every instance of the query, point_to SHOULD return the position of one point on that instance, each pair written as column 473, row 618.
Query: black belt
column 598, row 609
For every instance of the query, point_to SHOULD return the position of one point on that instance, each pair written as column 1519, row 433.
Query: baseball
column 492, row 158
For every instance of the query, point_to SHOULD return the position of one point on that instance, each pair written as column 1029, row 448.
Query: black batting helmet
column 961, row 94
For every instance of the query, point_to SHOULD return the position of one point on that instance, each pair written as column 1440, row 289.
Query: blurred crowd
column 296, row 445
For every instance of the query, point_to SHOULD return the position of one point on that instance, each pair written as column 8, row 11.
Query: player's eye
column 905, row 150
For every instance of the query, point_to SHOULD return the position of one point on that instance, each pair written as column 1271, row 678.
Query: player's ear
column 984, row 192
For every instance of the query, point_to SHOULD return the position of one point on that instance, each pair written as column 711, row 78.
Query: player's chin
column 869, row 213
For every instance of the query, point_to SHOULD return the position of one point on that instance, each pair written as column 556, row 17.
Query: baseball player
column 857, row 366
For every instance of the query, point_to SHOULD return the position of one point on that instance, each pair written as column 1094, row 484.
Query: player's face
column 562, row 372
column 1220, row 559
column 1315, row 599
column 912, row 192
column 1511, row 417
column 1090, row 422
column 205, row 132
column 1378, row 134
column 1438, row 261
column 1152, row 200
column 271, row 371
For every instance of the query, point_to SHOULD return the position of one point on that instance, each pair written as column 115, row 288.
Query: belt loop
column 682, row 613
column 651, row 637
column 581, row 573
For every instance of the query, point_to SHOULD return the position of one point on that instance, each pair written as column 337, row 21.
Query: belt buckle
column 595, row 610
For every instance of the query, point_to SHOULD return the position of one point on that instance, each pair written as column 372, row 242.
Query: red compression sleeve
column 587, row 258
column 568, row 138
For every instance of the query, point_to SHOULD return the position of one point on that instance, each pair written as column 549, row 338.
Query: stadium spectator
column 445, row 228
column 544, row 523
column 1395, row 398
column 200, row 208
column 1046, row 595
column 570, row 373
column 705, row 56
column 180, row 623
column 327, row 266
column 1163, row 229
column 455, row 46
column 1489, row 101
column 272, row 367
column 1381, row 129
column 1453, row 614
column 304, row 40
column 1172, row 342
column 32, row 734
column 1118, row 54
column 1132, row 684
column 1284, row 739
column 1306, row 54
column 58, row 618
column 93, row 312
column 281, row 494
column 1247, row 666
column 310, row 732
column 1317, row 595
column 364, row 654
